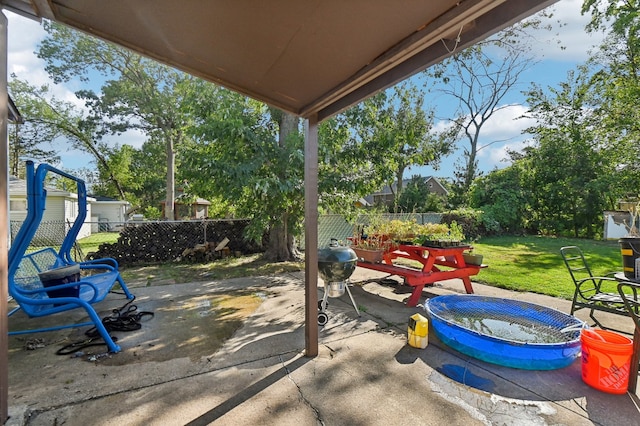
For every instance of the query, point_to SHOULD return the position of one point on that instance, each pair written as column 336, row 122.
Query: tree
column 504, row 199
column 50, row 119
column 616, row 84
column 243, row 151
column 403, row 134
column 348, row 168
column 117, row 168
column 27, row 140
column 571, row 171
column 137, row 92
column 478, row 79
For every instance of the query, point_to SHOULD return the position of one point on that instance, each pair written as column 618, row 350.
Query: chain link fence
column 335, row 226
column 48, row 234
column 161, row 241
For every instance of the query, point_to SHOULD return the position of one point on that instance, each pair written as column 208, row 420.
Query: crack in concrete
column 319, row 420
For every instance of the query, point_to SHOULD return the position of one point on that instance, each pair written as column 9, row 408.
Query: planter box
column 442, row 243
column 371, row 256
column 472, row 259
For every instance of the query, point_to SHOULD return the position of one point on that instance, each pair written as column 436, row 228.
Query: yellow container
column 418, row 331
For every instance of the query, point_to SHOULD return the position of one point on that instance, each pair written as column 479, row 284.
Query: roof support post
column 311, row 235
column 4, row 225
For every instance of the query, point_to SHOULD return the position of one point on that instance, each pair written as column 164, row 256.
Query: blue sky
column 552, row 68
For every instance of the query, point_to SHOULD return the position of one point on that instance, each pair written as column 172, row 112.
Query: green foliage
column 615, row 85
column 31, row 139
column 476, row 80
column 373, row 143
column 571, row 172
column 503, row 199
column 402, row 134
column 469, row 221
column 137, row 93
column 152, row 213
column 236, row 156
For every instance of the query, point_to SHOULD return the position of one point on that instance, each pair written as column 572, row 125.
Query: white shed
column 109, row 212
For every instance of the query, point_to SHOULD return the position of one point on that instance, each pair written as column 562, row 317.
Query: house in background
column 386, row 195
column 61, row 209
column 108, row 213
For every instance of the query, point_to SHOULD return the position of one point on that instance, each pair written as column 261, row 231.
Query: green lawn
column 93, row 241
column 534, row 263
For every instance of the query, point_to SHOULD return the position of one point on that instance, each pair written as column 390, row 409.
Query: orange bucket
column 606, row 358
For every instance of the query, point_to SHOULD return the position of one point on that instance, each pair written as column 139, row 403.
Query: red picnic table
column 438, row 264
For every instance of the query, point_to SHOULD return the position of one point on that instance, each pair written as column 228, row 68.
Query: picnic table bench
column 438, row 264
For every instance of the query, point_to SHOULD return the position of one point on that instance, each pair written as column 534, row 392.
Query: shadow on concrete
column 247, row 393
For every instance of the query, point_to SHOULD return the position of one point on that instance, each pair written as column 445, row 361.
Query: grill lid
column 336, row 253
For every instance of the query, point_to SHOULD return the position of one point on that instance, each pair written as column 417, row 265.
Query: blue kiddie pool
column 506, row 332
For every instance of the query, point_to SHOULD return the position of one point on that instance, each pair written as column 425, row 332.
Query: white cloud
column 22, row 41
column 24, row 35
column 503, row 132
column 568, row 27
column 497, row 156
column 133, row 137
column 506, row 123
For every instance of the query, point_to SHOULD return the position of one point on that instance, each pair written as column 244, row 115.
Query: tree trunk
column 281, row 246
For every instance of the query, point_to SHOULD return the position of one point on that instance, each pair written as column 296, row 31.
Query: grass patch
column 92, row 242
column 534, row 263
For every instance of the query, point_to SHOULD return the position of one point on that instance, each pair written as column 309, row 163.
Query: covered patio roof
column 311, row 58
column 305, row 57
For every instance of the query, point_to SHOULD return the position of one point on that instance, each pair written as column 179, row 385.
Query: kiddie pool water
column 506, row 332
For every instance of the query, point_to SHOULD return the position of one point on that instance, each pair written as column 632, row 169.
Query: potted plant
column 442, row 235
column 381, row 235
column 471, row 258
column 370, row 248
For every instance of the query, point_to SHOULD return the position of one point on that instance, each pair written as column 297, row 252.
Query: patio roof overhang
column 305, row 57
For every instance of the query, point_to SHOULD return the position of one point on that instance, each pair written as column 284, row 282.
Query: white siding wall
column 54, row 210
column 66, row 209
column 57, row 209
column 113, row 212
column 85, row 231
column 18, row 215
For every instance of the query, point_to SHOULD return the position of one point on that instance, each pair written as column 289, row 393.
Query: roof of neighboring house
column 102, row 199
column 19, row 187
column 386, row 190
column 14, row 114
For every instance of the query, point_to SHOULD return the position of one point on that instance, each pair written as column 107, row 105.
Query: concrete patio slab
column 365, row 373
